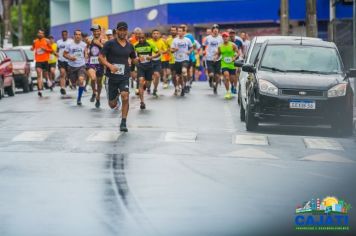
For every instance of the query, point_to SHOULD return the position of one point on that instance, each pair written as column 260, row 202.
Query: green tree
column 35, row 16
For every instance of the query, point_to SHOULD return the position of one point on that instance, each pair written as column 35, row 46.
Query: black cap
column 95, row 27
column 121, row 24
column 215, row 26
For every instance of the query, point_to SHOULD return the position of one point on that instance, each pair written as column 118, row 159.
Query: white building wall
column 100, row 8
column 119, row 6
column 79, row 10
column 59, row 12
column 145, row 3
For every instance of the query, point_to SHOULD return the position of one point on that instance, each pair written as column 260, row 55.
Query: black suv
column 298, row 81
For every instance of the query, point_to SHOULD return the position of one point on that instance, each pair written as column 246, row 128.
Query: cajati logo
column 327, row 214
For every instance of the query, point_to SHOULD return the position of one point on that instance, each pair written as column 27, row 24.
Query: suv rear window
column 15, row 55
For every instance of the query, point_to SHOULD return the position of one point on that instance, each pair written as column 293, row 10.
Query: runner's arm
column 67, row 56
column 217, row 54
column 236, row 49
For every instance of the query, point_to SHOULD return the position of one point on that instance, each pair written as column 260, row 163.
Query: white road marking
column 322, row 143
column 252, row 153
column 326, row 157
column 251, row 139
column 32, row 136
column 181, row 137
column 104, row 136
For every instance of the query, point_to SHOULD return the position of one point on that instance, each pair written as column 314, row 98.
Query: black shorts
column 231, row 71
column 75, row 72
column 214, row 67
column 192, row 63
column 165, row 64
column 63, row 64
column 145, row 71
column 133, row 67
column 156, row 66
column 116, row 86
column 178, row 66
column 42, row 65
column 52, row 65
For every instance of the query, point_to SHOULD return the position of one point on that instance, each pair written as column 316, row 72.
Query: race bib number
column 180, row 55
column 94, row 60
column 78, row 54
column 228, row 59
column 121, row 69
column 40, row 51
column 145, row 59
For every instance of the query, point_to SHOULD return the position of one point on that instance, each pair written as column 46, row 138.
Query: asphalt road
column 186, row 167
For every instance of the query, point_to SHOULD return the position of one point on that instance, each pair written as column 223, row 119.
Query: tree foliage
column 35, row 16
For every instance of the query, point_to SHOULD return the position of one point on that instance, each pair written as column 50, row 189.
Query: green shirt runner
column 227, row 55
column 145, row 49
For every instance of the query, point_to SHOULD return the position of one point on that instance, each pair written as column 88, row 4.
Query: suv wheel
column 11, row 89
column 30, row 86
column 251, row 122
column 344, row 125
column 242, row 112
column 25, row 84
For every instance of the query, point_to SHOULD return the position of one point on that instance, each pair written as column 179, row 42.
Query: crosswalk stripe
column 104, row 136
column 182, row 137
column 252, row 153
column 32, row 136
column 326, row 157
column 322, row 143
column 251, row 139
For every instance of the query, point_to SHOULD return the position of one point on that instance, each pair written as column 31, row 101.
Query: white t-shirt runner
column 183, row 45
column 61, row 45
column 212, row 43
column 76, row 50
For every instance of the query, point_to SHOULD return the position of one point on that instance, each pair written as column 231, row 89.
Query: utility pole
column 284, row 17
column 332, row 20
column 311, row 20
column 20, row 26
column 7, row 23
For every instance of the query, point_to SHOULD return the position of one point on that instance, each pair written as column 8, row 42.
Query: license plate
column 297, row 104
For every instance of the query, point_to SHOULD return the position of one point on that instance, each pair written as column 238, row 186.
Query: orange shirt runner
column 42, row 50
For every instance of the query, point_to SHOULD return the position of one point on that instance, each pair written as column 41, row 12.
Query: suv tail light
column 9, row 68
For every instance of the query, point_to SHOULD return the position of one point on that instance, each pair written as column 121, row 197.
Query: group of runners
column 145, row 59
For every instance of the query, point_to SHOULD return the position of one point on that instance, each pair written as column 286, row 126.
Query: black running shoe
column 182, row 93
column 97, row 103
column 92, row 99
column 63, row 91
column 39, row 94
column 155, row 93
column 143, row 106
column 79, row 103
column 123, row 127
column 187, row 89
column 215, row 90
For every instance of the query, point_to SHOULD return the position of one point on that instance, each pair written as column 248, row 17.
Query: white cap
column 137, row 30
column 109, row 31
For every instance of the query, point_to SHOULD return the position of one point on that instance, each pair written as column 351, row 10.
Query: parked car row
column 7, row 83
column 17, row 70
column 295, row 80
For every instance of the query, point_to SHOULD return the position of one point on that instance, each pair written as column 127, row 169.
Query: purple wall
column 84, row 26
column 139, row 18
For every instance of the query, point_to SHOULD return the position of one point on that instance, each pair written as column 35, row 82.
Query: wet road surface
column 186, row 167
